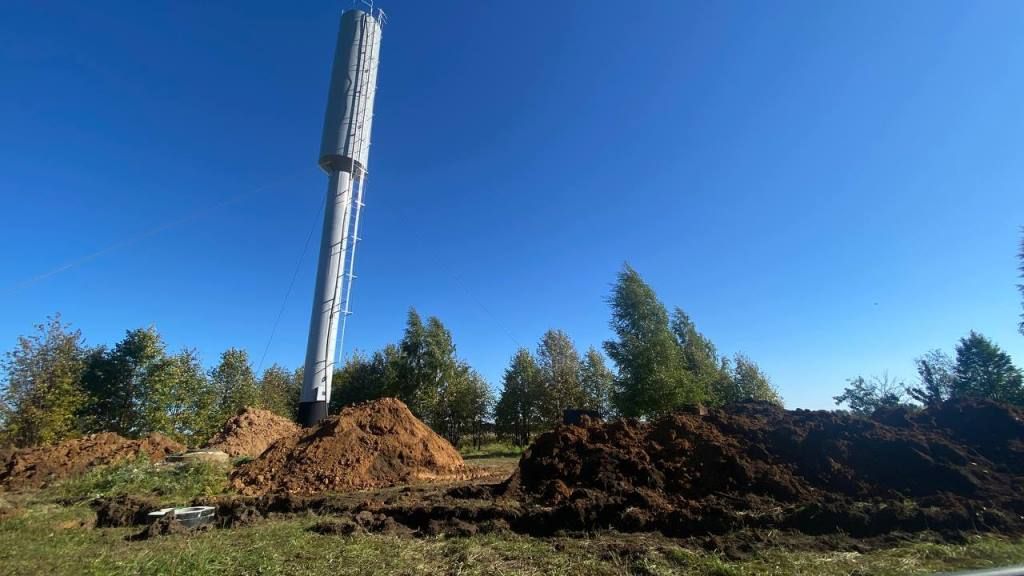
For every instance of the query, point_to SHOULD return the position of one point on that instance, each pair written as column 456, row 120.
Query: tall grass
column 140, row 477
column 492, row 450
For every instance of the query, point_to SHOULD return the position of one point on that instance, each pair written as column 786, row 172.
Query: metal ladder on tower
column 359, row 137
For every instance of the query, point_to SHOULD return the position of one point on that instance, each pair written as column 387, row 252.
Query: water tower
column 344, row 150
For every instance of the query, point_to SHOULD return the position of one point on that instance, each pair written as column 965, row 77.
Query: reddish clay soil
column 250, row 432
column 37, row 467
column 373, row 444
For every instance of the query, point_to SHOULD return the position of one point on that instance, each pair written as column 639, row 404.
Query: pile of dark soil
column 954, row 468
column 731, row 480
column 37, row 467
column 373, row 444
column 250, row 432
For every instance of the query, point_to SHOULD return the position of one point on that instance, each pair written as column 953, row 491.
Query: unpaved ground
column 250, row 432
column 756, row 466
column 377, row 443
column 732, row 480
column 58, row 540
column 37, row 467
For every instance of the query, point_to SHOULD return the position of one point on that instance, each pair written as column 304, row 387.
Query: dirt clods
column 166, row 526
column 37, row 467
column 123, row 510
column 368, row 445
column 250, row 432
column 361, row 523
column 755, row 465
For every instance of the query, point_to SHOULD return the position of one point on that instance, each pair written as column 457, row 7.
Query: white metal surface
column 344, row 154
column 353, row 88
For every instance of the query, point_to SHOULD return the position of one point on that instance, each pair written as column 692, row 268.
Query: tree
column 440, row 377
column 596, row 380
column 515, row 414
column 413, row 372
column 651, row 379
column 234, row 383
column 559, row 365
column 464, row 404
column 865, row 396
column 41, row 394
column 279, row 391
column 178, row 400
column 716, row 379
column 983, row 370
column 935, row 378
column 117, row 381
column 746, row 381
column 365, row 378
column 706, row 373
column 476, row 406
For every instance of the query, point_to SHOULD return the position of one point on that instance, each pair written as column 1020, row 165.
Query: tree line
column 981, row 369
column 55, row 387
column 662, row 363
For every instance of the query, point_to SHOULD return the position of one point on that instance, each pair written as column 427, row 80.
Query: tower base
column 311, row 413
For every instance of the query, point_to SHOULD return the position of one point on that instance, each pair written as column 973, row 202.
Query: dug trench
column 729, row 479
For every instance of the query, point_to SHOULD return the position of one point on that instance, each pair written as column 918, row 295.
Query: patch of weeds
column 717, row 567
column 142, row 477
column 492, row 450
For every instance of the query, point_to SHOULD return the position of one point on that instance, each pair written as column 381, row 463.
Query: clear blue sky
column 832, row 188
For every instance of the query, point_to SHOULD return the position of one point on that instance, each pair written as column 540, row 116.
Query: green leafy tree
column 651, row 378
column 717, row 379
column 865, row 396
column 746, row 381
column 597, row 380
column 559, row 364
column 516, row 413
column 179, row 400
column 935, row 378
column 440, row 375
column 415, row 378
column 367, row 378
column 41, row 394
column 705, row 372
column 118, row 380
column 234, row 383
column 476, row 406
column 279, row 391
column 983, row 370
column 463, row 405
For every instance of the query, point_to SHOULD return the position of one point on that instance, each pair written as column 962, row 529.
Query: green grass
column 173, row 483
column 54, row 540
column 491, row 450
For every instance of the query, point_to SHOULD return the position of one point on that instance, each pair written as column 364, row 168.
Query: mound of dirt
column 250, row 432
column 37, row 467
column 957, row 467
column 373, row 444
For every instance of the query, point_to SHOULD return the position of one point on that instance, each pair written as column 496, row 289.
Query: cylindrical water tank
column 349, row 115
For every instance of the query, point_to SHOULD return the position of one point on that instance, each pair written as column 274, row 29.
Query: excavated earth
column 250, row 432
column 732, row 480
column 39, row 466
column 951, row 469
column 377, row 443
